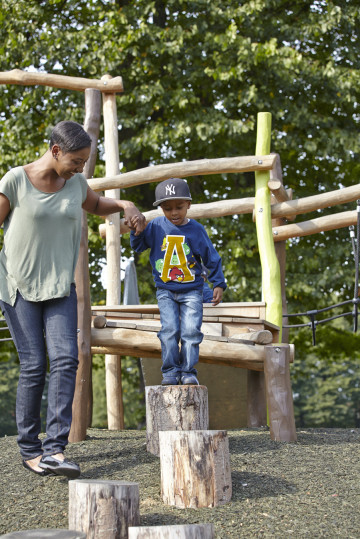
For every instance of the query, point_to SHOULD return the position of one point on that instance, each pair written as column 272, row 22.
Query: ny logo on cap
column 170, row 189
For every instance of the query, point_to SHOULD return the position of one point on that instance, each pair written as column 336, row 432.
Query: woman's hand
column 134, row 219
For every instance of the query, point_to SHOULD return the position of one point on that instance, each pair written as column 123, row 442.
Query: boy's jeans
column 181, row 319
column 27, row 322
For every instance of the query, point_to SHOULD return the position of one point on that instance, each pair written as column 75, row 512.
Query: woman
column 41, row 205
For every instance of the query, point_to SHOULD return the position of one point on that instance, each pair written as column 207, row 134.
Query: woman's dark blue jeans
column 31, row 325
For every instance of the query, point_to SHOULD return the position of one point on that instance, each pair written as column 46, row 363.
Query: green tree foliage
column 196, row 73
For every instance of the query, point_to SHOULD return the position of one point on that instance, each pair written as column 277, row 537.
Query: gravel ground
column 306, row 489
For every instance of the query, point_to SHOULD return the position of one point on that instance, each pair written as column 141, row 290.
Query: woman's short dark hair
column 70, row 136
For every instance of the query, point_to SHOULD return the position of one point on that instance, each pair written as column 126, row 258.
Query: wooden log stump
column 195, row 468
column 278, row 393
column 47, row 533
column 103, row 509
column 174, row 408
column 180, row 531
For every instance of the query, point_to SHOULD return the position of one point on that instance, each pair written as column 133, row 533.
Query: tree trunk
column 103, row 508
column 195, row 468
column 174, row 408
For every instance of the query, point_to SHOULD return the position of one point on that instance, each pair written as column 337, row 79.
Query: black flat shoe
column 59, row 467
column 28, row 467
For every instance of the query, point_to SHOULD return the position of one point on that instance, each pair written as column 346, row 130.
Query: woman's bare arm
column 99, row 205
column 4, row 208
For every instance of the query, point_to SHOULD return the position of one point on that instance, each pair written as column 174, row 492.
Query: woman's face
column 70, row 163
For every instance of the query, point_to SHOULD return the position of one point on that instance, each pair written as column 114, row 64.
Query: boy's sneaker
column 189, row 380
column 170, row 380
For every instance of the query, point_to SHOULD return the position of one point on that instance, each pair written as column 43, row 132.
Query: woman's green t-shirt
column 41, row 238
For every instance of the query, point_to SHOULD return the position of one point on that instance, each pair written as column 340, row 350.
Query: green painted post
column 271, row 283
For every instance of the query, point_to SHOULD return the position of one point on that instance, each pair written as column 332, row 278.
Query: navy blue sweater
column 176, row 254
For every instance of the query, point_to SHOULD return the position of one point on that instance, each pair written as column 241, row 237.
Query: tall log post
column 180, row 531
column 195, row 468
column 271, row 285
column 278, row 393
column 103, row 508
column 280, row 251
column 115, row 409
column 82, row 404
column 174, row 408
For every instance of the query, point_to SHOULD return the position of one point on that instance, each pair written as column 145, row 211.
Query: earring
column 54, row 156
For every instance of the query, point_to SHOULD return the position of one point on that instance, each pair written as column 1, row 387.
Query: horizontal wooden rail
column 26, row 78
column 290, row 209
column 316, row 202
column 198, row 211
column 183, row 169
column 314, row 226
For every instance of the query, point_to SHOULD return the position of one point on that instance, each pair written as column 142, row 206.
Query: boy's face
column 176, row 210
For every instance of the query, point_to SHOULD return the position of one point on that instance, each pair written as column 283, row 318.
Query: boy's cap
column 173, row 188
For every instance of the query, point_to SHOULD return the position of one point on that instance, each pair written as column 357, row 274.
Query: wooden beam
column 197, row 211
column 316, row 202
column 184, row 169
column 26, row 78
column 278, row 190
column 146, row 343
column 314, row 226
column 287, row 209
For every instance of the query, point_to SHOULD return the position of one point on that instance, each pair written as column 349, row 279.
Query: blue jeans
column 181, row 318
column 29, row 322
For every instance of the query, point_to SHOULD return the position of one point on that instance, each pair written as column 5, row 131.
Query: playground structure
column 266, row 365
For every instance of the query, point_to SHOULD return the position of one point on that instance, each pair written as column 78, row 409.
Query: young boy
column 178, row 247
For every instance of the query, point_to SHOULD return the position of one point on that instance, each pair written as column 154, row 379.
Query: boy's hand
column 217, row 295
column 136, row 222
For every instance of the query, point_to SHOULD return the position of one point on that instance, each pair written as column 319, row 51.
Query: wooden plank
column 210, row 319
column 254, row 322
column 211, row 328
column 218, row 338
column 223, row 309
column 118, row 315
column 120, row 324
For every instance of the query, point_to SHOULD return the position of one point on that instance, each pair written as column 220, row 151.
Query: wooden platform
column 132, row 330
